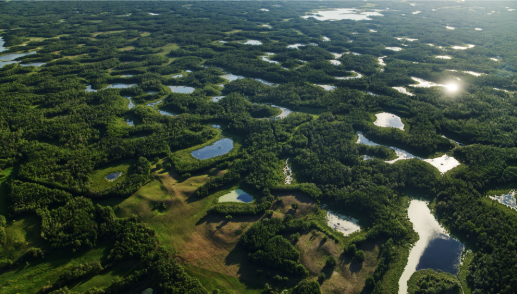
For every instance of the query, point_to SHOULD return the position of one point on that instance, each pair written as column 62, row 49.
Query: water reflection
column 388, row 120
column 295, row 46
column 443, row 57
column 403, row 91
column 231, row 77
column 219, row 148
column 435, row 249
column 506, row 199
column 341, row 223
column 113, row 176
column 285, row 112
column 343, row 13
column 237, row 196
column 10, row 58
column 181, row 89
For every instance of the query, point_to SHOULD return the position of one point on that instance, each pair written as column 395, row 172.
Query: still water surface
column 219, row 148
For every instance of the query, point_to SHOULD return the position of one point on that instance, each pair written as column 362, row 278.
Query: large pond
column 506, row 199
column 237, row 196
column 388, row 120
column 343, row 13
column 341, row 223
column 443, row 163
column 10, row 58
column 182, row 89
column 434, row 250
column 219, row 148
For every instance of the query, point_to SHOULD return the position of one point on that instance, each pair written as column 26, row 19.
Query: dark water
column 219, row 148
column 442, row 253
column 113, row 176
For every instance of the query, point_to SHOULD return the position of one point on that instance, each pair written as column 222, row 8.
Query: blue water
column 219, row 148
column 89, row 89
column 442, row 253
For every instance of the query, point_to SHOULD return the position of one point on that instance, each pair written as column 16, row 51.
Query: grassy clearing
column 167, row 49
column 32, row 276
column 145, row 34
column 464, row 270
column 315, row 112
column 108, row 32
column 127, row 48
column 98, row 178
column 212, row 280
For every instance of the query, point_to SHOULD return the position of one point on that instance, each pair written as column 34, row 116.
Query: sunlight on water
column 237, row 196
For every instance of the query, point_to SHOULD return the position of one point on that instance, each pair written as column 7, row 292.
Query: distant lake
column 182, row 89
column 434, row 250
column 343, row 13
column 218, row 148
column 237, row 196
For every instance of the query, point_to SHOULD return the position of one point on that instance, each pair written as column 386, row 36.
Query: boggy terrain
column 258, row 147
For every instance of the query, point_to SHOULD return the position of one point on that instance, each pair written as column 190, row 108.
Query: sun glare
column 452, row 87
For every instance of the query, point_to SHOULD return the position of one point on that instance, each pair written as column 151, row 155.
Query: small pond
column 176, row 76
column 341, row 223
column 381, row 60
column 463, row 47
column 131, row 104
column 337, row 55
column 394, row 48
column 217, row 98
column 36, row 64
column 326, row 39
column 218, row 148
column 113, row 176
column 252, row 42
column 295, row 46
column 231, row 77
column 288, row 173
column 120, row 86
column 153, row 104
column 434, row 250
column 443, row 163
column 264, row 9
column 266, row 58
column 130, row 122
column 335, row 62
column 89, row 89
column 388, row 120
column 343, row 13
column 181, row 89
column 506, row 199
column 327, row 87
column 237, row 196
column 10, row 58
column 450, row 28
column 163, row 112
column 443, row 57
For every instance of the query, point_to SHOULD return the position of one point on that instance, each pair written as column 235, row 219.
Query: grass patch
column 315, row 112
column 464, row 270
column 98, row 178
column 213, row 280
column 167, row 49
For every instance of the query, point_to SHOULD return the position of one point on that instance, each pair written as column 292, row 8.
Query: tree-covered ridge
column 59, row 138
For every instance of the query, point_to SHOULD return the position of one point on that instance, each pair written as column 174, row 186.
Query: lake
column 343, row 13
column 113, row 176
column 218, row 148
column 506, row 199
column 181, row 89
column 10, row 58
column 237, row 196
column 341, row 223
column 434, row 250
column 388, row 120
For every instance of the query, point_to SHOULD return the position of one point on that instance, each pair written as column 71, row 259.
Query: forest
column 111, row 113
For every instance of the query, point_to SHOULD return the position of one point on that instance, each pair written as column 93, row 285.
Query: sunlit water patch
column 388, row 120
column 341, row 223
column 337, row 55
column 218, row 148
column 266, row 58
column 295, row 46
column 335, row 62
column 153, row 104
column 443, row 57
column 435, row 249
column 478, row 29
column 252, row 42
column 285, row 112
column 217, row 98
column 357, row 76
column 10, row 58
column 36, row 64
column 288, row 173
column 381, row 60
column 343, row 13
column 403, row 91
column 90, row 89
column 113, row 176
column 463, row 47
column 327, row 87
column 120, row 86
column 130, row 122
column 401, row 154
column 506, row 199
column 237, row 196
column 450, row 28
column 182, row 89
column 443, row 163
column 394, row 48
column 326, row 39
